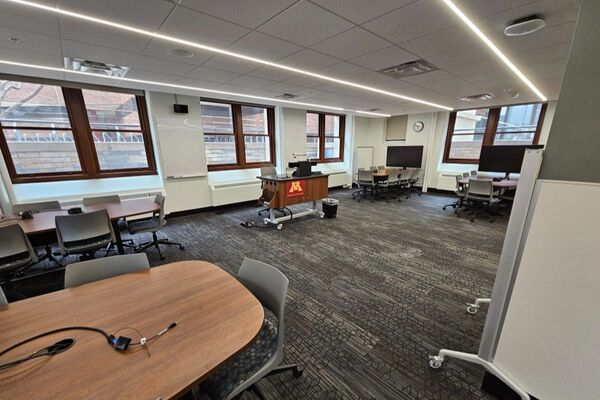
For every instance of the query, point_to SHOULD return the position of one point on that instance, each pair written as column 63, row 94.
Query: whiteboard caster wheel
column 435, row 362
column 279, row 227
column 473, row 308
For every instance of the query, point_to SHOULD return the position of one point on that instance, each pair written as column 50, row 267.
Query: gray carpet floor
column 372, row 292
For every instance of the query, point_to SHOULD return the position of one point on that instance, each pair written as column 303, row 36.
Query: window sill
column 459, row 161
column 230, row 167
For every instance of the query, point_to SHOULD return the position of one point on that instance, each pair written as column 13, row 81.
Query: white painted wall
column 549, row 339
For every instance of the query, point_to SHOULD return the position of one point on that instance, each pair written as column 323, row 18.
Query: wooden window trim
column 489, row 135
column 238, row 133
column 84, row 144
column 321, row 136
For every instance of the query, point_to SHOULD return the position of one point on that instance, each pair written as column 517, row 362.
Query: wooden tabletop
column 216, row 315
column 507, row 184
column 43, row 221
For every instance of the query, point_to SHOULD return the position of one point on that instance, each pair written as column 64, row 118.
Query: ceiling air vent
column 95, row 67
column 478, row 97
column 411, row 68
column 288, row 96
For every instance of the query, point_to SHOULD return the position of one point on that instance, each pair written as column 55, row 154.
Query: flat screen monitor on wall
column 505, row 158
column 404, row 156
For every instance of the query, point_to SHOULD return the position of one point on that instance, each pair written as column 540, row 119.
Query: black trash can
column 330, row 207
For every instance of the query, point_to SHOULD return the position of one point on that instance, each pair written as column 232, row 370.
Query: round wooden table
column 216, row 318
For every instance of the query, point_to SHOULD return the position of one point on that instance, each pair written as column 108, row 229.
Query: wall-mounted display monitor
column 504, row 158
column 404, row 156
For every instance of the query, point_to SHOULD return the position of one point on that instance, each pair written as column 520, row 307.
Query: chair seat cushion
column 88, row 244
column 11, row 263
column 246, row 363
column 145, row 225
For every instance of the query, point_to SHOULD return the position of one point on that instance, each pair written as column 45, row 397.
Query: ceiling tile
column 200, row 83
column 163, row 66
column 305, row 24
column 249, row 13
column 159, row 49
column 361, row 11
column 442, row 42
column 415, row 20
column 84, row 32
column 274, row 74
column 383, row 58
column 97, row 53
column 29, row 42
column 250, row 82
column 482, row 8
column 468, row 55
column 343, row 70
column 550, row 36
column 13, row 16
column 231, row 64
column 545, row 54
column 310, row 60
column 282, row 87
column 306, row 81
column 31, row 57
column 144, row 14
column 210, row 74
column 259, row 45
column 194, row 26
column 429, row 77
column 135, row 73
column 351, row 44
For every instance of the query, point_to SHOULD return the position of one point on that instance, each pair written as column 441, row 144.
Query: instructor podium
column 281, row 191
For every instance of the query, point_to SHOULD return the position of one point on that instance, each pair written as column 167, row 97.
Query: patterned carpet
column 372, row 293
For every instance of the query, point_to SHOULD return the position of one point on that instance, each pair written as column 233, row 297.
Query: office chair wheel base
column 436, row 362
column 181, row 248
column 444, row 208
column 279, row 227
column 297, row 373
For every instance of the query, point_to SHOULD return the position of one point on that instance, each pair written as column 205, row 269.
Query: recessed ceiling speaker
column 524, row 26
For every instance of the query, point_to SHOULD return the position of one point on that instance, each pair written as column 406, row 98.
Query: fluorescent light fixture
column 197, row 45
column 372, row 113
column 171, row 85
column 495, row 49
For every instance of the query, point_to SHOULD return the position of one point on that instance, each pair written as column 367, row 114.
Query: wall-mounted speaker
column 180, row 108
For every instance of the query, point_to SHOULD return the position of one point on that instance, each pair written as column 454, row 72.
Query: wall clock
column 418, row 126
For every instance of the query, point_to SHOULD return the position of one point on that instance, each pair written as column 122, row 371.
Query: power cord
column 120, row 343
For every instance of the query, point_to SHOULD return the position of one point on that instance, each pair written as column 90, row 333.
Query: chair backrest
column 269, row 286
column 72, row 228
column 103, row 268
column 13, row 241
column 90, row 201
column 473, row 173
column 459, row 186
column 480, row 187
column 406, row 174
column 3, row 300
column 373, row 168
column 160, row 200
column 393, row 174
column 264, row 171
column 41, row 206
column 466, row 174
column 365, row 175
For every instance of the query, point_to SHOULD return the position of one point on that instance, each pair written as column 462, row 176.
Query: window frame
column 238, row 134
column 322, row 136
column 83, row 140
column 489, row 136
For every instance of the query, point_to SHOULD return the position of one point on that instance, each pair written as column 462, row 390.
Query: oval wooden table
column 216, row 318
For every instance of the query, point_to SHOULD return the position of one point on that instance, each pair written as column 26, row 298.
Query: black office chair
column 16, row 253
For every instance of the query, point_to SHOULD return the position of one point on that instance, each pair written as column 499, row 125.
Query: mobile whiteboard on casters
column 181, row 143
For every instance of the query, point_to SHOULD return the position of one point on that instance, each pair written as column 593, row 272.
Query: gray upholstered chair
column 16, row 252
column 466, row 174
column 460, row 192
column 3, row 300
column 103, row 268
column 365, row 182
column 264, row 355
column 153, row 225
column 481, row 197
column 40, row 206
column 473, row 173
column 84, row 234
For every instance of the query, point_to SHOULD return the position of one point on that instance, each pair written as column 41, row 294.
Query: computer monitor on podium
column 303, row 168
column 503, row 158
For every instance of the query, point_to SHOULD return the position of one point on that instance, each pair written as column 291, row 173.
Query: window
column 325, row 137
column 49, row 133
column 237, row 135
column 468, row 130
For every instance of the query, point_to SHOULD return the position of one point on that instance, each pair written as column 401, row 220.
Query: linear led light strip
column 60, row 11
column 185, row 87
column 495, row 49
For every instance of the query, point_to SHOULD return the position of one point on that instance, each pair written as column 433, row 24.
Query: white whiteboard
column 181, row 144
column 364, row 157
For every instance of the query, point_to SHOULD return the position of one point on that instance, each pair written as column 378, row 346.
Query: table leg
column 117, row 230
